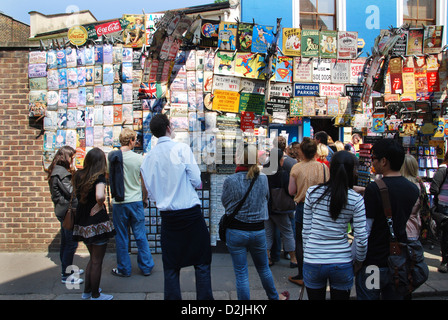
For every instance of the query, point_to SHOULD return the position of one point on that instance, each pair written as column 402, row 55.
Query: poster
column 331, row 90
column 150, row 25
column 432, row 39
column 328, row 44
column 322, row 70
column 356, row 70
column 283, row 69
column 244, row 35
column 415, row 42
column 296, row 107
column 134, row 34
column 250, row 65
column 252, row 103
column 340, row 71
column 209, row 33
column 224, row 63
column 291, row 41
column 227, row 35
column 306, row 89
column 347, row 45
column 226, row 101
column 262, row 37
column 302, row 70
column 310, row 43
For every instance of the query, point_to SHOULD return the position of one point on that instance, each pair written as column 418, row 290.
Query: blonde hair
column 126, row 136
column 322, row 151
column 339, row 145
column 409, row 169
column 247, row 156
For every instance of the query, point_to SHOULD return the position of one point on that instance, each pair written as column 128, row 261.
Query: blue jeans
column 238, row 243
column 203, row 283
column 131, row 214
column 340, row 275
column 67, row 249
column 386, row 290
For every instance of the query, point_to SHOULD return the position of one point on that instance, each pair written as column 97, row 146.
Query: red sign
column 247, row 121
column 107, row 28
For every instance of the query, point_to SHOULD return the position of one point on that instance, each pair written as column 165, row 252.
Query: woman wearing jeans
column 246, row 231
column 329, row 207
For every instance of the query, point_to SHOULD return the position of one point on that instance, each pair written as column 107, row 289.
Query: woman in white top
column 329, row 207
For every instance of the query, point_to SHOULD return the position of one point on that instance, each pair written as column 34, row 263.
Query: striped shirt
column 325, row 241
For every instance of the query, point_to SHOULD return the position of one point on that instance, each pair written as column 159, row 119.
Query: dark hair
column 158, row 125
column 308, row 147
column 322, row 137
column 391, row 150
column 342, row 176
column 62, row 158
column 94, row 165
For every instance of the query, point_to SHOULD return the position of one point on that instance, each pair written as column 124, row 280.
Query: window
column 318, row 14
column 419, row 12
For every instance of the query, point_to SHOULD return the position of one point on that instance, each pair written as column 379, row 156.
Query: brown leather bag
column 69, row 219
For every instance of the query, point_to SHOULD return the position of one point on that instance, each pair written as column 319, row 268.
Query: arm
column 292, row 187
column 307, row 217
column 100, row 195
column 192, row 168
column 437, row 181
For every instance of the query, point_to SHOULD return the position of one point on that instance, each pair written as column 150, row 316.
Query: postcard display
column 406, row 88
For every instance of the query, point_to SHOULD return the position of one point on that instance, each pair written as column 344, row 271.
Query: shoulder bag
column 406, row 261
column 227, row 219
column 69, row 219
column 281, row 201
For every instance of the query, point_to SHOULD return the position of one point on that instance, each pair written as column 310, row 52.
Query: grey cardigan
column 255, row 208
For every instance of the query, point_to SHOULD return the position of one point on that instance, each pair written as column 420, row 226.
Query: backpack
column 406, row 261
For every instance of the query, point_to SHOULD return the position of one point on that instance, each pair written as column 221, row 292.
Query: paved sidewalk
column 36, row 276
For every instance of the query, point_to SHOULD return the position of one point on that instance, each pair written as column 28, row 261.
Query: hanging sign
column 77, row 35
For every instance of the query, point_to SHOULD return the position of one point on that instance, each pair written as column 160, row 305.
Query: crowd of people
column 302, row 199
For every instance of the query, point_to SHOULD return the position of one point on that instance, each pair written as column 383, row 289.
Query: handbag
column 406, row 261
column 225, row 220
column 281, row 201
column 69, row 218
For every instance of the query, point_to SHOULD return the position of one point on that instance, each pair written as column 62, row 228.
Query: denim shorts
column 340, row 275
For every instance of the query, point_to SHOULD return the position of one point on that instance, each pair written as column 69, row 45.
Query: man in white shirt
column 171, row 176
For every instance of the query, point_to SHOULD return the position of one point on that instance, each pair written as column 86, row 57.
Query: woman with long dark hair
column 60, row 181
column 92, row 223
column 329, row 208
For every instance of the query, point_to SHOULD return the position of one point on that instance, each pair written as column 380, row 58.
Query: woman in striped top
column 329, row 207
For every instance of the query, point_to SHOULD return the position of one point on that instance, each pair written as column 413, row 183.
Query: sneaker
column 103, row 296
column 88, row 295
column 72, row 280
column 443, row 268
column 117, row 273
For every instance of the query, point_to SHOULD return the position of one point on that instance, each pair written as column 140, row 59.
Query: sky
column 101, row 9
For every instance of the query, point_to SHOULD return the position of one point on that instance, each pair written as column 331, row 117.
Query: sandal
column 117, row 273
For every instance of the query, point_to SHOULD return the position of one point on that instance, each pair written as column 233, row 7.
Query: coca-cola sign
column 107, row 28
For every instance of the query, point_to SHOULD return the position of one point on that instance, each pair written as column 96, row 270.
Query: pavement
column 36, row 276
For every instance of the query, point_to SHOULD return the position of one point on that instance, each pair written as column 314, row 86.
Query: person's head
column 356, row 138
column 322, row 151
column 279, row 142
column 343, row 167
column 159, row 125
column 128, row 137
column 387, row 154
column 321, row 137
column 409, row 169
column 339, row 145
column 308, row 147
column 64, row 157
column 94, row 165
column 247, row 156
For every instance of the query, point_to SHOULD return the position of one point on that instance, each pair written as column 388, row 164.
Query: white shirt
column 171, row 174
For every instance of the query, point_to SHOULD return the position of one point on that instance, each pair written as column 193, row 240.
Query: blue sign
column 369, row 17
column 306, row 89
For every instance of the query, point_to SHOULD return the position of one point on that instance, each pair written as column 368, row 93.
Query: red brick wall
column 27, row 221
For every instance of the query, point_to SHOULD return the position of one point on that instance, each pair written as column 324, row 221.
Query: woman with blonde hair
column 322, row 154
column 246, row 230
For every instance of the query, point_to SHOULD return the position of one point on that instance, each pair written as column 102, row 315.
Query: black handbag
column 225, row 220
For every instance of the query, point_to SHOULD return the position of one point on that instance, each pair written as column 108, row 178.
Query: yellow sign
column 226, row 101
column 77, row 35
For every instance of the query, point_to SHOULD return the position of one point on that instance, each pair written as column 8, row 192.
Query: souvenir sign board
column 310, row 43
column 291, row 41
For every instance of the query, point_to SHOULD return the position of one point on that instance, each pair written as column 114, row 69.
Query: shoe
column 283, row 296
column 103, row 296
column 296, row 280
column 69, row 280
column 293, row 265
column 88, row 295
column 147, row 274
column 443, row 268
column 117, row 273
